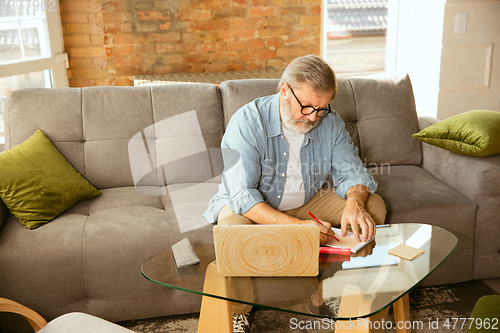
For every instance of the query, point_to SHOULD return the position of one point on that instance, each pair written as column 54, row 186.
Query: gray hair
column 313, row 71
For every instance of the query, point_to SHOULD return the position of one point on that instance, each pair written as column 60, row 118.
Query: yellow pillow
column 38, row 184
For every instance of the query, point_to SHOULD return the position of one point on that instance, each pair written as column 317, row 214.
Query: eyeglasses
column 307, row 109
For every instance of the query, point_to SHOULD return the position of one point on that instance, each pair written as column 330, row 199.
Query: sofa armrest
column 424, row 122
column 4, row 212
column 474, row 177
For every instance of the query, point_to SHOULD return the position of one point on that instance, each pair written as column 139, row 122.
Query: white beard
column 288, row 122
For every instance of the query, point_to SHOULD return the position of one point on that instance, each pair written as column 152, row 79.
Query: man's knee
column 375, row 206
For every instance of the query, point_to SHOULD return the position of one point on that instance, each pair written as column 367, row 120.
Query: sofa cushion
column 38, row 184
column 117, row 242
column 473, row 133
column 411, row 194
column 151, row 127
column 345, row 105
column 91, row 256
column 35, row 108
column 124, row 228
column 180, row 152
column 43, row 268
column 236, row 93
column 386, row 119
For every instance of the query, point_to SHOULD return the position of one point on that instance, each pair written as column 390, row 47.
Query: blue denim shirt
column 255, row 155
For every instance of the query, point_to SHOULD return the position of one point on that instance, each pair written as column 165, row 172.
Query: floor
column 278, row 322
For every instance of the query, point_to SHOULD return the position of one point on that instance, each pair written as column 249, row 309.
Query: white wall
column 470, row 67
column 414, row 45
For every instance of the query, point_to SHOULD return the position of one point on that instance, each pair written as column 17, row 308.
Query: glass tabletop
column 371, row 278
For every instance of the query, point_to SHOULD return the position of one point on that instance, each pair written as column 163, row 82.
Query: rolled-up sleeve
column 242, row 168
column 347, row 168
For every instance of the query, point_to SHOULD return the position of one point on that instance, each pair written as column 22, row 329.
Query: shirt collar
column 275, row 121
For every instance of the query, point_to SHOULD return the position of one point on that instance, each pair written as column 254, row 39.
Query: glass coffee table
column 364, row 285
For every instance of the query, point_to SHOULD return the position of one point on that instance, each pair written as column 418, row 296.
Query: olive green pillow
column 38, row 184
column 473, row 133
column 485, row 315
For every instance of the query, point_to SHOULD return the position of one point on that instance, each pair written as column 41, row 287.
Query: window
column 393, row 36
column 354, row 38
column 31, row 48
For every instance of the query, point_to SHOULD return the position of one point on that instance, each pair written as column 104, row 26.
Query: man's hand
column 355, row 214
column 325, row 231
column 262, row 213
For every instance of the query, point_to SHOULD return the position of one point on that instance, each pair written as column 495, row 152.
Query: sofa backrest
column 385, row 117
column 236, row 93
column 379, row 112
column 94, row 127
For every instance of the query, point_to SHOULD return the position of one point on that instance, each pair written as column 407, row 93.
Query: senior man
column 279, row 152
column 287, row 145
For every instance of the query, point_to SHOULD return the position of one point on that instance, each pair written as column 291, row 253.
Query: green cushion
column 38, row 184
column 473, row 133
column 486, row 315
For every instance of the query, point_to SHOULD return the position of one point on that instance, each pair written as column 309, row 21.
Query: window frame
column 56, row 61
column 53, row 62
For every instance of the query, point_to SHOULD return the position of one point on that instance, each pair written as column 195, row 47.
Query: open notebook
column 347, row 241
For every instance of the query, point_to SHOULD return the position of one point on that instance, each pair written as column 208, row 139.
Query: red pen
column 335, row 250
column 315, row 219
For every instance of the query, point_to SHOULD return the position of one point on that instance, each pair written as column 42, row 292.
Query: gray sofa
column 89, row 258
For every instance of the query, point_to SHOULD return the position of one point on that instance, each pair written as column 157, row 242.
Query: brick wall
column 84, row 42
column 110, row 41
